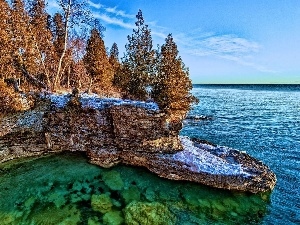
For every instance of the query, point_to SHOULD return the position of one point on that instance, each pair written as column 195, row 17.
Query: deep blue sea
column 264, row 121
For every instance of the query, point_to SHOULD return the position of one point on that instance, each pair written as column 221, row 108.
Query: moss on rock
column 148, row 214
column 101, row 203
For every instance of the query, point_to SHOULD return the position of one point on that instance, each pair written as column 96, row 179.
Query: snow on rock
column 201, row 160
column 94, row 101
column 59, row 100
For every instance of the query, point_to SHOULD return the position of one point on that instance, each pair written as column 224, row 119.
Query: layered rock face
column 114, row 131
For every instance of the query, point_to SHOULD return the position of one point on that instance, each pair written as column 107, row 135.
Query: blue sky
column 221, row 41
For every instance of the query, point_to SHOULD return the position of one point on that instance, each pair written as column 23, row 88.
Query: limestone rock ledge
column 114, row 131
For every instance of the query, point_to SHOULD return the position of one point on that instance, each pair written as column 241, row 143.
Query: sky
column 221, row 41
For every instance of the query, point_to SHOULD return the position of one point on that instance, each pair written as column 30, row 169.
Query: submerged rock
column 113, row 180
column 148, row 214
column 101, row 203
column 113, row 131
column 113, row 218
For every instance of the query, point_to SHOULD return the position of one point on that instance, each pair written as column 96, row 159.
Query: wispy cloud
column 225, row 46
column 111, row 10
column 198, row 43
column 113, row 20
column 119, row 12
column 212, row 44
column 52, row 4
column 95, row 5
column 112, row 16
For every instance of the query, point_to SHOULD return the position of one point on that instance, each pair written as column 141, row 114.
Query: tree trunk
column 41, row 57
column 90, row 85
column 67, row 15
column 68, row 78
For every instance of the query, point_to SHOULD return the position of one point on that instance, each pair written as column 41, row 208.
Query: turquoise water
column 66, row 189
column 263, row 120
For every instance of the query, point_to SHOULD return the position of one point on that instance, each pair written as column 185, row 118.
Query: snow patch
column 201, row 160
column 94, row 101
column 59, row 100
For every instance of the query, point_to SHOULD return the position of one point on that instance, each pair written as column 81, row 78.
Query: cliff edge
column 113, row 131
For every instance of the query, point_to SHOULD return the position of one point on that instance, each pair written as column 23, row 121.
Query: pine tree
column 139, row 60
column 171, row 88
column 115, row 64
column 58, row 34
column 114, row 57
column 96, row 61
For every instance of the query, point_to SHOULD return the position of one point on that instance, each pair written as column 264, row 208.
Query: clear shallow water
column 66, row 189
column 263, row 120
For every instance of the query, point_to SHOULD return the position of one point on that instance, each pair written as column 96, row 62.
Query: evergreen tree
column 171, row 88
column 114, row 57
column 59, row 33
column 139, row 60
column 96, row 61
column 115, row 64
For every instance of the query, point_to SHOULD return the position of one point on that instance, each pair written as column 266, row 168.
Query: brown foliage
column 6, row 60
column 96, row 61
column 172, row 85
column 9, row 100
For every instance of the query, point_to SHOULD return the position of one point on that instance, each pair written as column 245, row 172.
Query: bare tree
column 75, row 15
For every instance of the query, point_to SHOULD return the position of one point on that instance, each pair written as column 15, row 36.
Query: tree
column 42, row 36
column 96, row 61
column 139, row 59
column 6, row 60
column 76, row 75
column 171, row 88
column 10, row 101
column 114, row 57
column 116, row 65
column 59, row 33
column 75, row 15
column 24, row 52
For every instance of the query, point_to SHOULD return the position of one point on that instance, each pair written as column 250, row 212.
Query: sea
column 263, row 120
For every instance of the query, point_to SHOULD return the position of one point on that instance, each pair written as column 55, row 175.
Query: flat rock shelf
column 115, row 131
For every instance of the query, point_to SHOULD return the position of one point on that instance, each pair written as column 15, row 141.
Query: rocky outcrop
column 114, row 131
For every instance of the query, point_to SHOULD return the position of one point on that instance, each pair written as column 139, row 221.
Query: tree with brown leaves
column 172, row 85
column 42, row 37
column 6, row 60
column 96, row 61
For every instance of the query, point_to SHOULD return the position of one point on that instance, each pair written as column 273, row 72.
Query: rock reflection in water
column 66, row 189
